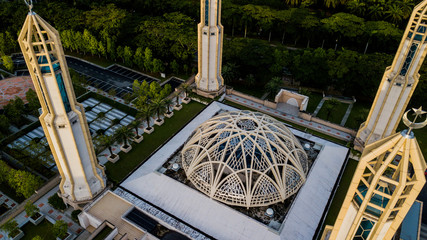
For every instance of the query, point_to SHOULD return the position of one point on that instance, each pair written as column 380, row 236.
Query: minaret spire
column 63, row 118
column 387, row 180
column 398, row 83
column 210, row 38
column 29, row 4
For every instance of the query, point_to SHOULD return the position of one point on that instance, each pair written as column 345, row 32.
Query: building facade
column 398, row 83
column 63, row 118
column 210, row 38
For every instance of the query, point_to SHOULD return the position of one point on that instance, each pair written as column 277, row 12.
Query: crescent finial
column 29, row 3
column 413, row 124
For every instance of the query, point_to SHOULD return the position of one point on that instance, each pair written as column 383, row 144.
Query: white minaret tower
column 388, row 179
column 210, row 35
column 398, row 83
column 63, row 119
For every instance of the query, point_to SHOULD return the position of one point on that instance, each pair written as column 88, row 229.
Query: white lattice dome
column 245, row 158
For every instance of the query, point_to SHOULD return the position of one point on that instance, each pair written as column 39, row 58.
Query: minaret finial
column 413, row 124
column 29, row 3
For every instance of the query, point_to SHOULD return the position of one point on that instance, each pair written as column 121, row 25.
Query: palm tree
column 186, row 88
column 357, row 7
column 124, row 133
column 159, row 107
column 135, row 125
column 273, row 86
column 146, row 111
column 168, row 102
column 395, row 13
column 177, row 98
column 106, row 142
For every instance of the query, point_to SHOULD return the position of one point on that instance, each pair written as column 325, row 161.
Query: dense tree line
column 168, row 28
column 161, row 36
column 345, row 71
column 23, row 182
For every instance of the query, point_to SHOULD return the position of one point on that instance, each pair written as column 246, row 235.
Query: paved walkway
column 347, row 113
column 52, row 215
column 7, row 202
column 294, row 119
column 319, row 106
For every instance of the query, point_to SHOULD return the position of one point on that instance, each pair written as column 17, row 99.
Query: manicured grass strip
column 301, row 128
column 358, row 114
column 256, row 92
column 44, row 230
column 340, row 193
column 336, row 114
column 313, row 101
column 119, row 170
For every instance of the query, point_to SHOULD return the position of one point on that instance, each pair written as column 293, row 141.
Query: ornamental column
column 210, row 38
column 63, row 118
column 387, row 180
column 398, row 83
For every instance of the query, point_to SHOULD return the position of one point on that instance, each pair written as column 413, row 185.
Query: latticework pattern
column 245, row 158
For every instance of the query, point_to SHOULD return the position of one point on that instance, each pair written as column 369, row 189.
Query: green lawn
column 340, row 193
column 358, row 114
column 336, row 114
column 119, row 170
column 301, row 128
column 44, row 230
column 313, row 101
column 258, row 93
column 421, row 135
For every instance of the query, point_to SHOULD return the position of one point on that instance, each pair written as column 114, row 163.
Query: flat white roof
column 221, row 221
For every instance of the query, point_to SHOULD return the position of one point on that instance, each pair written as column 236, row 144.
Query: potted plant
column 12, row 230
column 33, row 212
column 138, row 138
column 146, row 111
column 186, row 88
column 106, row 141
column 177, row 106
column 56, row 202
column 124, row 133
column 159, row 107
column 60, row 230
column 168, row 103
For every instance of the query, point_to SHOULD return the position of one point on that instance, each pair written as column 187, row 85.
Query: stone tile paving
column 312, row 125
column 52, row 215
column 13, row 87
column 7, row 201
column 194, row 234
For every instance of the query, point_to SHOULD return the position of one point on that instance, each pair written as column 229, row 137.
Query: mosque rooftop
column 221, row 221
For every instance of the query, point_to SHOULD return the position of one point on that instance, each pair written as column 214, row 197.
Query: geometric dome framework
column 245, row 158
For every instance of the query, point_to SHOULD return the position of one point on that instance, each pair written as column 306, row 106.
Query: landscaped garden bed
column 44, row 230
column 117, row 171
column 334, row 113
